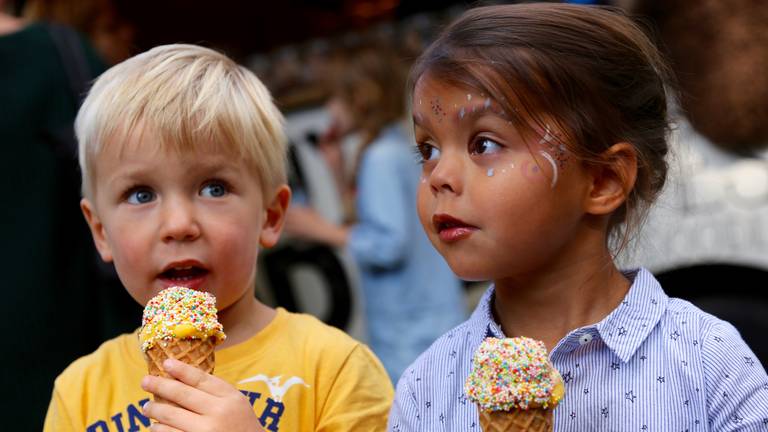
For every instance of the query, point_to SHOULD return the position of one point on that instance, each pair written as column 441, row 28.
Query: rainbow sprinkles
column 513, row 373
column 180, row 313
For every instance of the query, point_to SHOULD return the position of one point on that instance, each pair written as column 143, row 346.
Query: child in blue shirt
column 542, row 129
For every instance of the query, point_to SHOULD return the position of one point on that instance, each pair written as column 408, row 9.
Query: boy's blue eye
column 484, row 146
column 427, row 152
column 140, row 196
column 214, row 190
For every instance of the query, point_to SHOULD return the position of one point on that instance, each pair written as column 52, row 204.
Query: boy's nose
column 179, row 222
column 446, row 176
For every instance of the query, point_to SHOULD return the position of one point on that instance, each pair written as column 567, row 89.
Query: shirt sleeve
column 404, row 416
column 737, row 385
column 360, row 396
column 57, row 418
column 379, row 239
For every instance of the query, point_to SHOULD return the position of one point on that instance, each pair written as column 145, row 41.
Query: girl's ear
column 613, row 180
column 275, row 216
column 97, row 230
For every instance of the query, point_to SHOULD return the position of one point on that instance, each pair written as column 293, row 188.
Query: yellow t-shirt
column 298, row 373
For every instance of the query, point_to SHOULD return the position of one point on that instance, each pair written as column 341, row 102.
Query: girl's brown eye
column 426, row 152
column 484, row 146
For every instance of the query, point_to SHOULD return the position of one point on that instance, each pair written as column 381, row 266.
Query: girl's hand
column 204, row 402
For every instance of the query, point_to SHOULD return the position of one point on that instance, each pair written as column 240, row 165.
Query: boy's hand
column 205, row 403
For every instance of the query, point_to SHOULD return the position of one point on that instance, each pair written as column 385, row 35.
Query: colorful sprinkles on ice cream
column 182, row 313
column 511, row 374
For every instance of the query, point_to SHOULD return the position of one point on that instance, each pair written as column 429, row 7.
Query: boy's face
column 194, row 219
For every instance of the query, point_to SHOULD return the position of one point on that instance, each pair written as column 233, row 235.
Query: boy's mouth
column 189, row 274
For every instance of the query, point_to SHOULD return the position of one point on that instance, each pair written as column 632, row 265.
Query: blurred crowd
column 710, row 227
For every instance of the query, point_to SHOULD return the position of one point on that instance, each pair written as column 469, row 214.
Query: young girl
column 411, row 297
column 542, row 129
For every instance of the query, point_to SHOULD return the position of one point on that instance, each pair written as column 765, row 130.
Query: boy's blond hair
column 188, row 97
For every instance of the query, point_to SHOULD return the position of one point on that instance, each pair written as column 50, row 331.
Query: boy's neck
column 548, row 305
column 244, row 319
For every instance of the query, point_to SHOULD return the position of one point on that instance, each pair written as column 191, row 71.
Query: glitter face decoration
column 555, row 153
column 437, row 109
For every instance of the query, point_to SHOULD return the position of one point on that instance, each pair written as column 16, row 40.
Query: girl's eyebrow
column 418, row 119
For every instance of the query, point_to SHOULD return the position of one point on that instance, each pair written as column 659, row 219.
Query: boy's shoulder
column 121, row 353
column 310, row 334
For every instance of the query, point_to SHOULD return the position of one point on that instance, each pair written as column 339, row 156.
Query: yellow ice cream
column 181, row 313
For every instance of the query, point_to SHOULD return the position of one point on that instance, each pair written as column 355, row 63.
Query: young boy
column 182, row 154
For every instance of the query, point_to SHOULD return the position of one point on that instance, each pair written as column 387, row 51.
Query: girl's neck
column 549, row 304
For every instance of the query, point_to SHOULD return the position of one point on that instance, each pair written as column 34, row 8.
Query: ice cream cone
column 514, row 385
column 195, row 352
column 180, row 323
column 517, row 420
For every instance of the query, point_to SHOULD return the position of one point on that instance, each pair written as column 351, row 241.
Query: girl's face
column 495, row 203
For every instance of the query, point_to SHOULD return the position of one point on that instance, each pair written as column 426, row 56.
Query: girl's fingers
column 177, row 392
column 196, row 378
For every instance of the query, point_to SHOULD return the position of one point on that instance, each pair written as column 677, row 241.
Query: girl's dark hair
column 589, row 70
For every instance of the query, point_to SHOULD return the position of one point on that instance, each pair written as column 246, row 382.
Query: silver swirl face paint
column 551, row 160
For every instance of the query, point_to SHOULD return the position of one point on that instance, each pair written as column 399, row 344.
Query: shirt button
column 585, row 338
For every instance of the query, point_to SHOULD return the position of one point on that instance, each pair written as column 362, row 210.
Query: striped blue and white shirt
column 653, row 364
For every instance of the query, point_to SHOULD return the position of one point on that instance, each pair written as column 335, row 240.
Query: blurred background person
column 99, row 20
column 410, row 295
column 53, row 309
column 707, row 239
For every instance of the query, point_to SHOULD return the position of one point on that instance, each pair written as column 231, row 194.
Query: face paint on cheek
column 489, row 173
column 531, row 170
column 551, row 160
column 556, row 150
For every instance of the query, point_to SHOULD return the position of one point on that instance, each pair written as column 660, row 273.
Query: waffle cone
column 195, row 352
column 530, row 420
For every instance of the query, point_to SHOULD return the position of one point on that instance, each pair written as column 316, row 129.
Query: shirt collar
column 623, row 330
column 629, row 325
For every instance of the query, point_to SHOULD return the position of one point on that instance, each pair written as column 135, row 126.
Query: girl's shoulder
column 448, row 357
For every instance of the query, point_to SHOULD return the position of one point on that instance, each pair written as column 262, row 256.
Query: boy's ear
column 613, row 180
column 97, row 230
column 273, row 223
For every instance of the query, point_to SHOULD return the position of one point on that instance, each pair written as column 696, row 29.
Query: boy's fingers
column 176, row 392
column 159, row 427
column 170, row 418
column 196, row 378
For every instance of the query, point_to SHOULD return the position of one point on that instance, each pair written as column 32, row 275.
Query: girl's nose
column 446, row 175
column 179, row 221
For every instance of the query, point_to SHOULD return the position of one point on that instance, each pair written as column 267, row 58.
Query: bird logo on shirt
column 275, row 389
